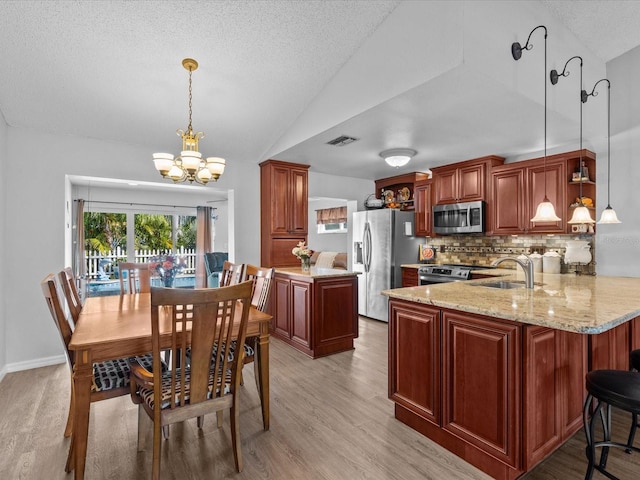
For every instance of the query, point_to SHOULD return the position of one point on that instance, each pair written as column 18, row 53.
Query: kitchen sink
column 501, row 284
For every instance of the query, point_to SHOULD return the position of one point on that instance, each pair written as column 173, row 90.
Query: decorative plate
column 404, row 194
column 388, row 196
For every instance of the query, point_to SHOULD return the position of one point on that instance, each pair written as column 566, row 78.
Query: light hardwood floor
column 330, row 420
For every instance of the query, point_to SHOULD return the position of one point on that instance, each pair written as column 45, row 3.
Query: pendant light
column 580, row 213
column 608, row 214
column 545, row 211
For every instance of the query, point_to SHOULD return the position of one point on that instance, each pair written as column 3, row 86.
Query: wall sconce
column 398, row 157
column 608, row 214
column 580, row 213
column 545, row 211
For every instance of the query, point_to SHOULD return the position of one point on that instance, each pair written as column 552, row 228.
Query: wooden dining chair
column 70, row 289
column 205, row 384
column 110, row 378
column 134, row 277
column 232, row 273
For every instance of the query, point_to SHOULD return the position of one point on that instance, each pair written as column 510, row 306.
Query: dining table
column 119, row 326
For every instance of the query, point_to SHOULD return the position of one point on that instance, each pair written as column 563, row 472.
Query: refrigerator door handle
column 367, row 247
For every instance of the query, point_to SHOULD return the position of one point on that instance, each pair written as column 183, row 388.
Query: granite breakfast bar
column 497, row 375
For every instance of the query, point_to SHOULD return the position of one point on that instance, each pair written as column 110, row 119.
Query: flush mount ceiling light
column 580, row 213
column 189, row 165
column 608, row 214
column 398, row 157
column 545, row 211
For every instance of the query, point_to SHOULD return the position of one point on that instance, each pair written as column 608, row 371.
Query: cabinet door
column 423, row 204
column 481, row 383
column 280, row 198
column 610, row 349
column 409, row 277
column 300, row 308
column 298, row 206
column 414, row 358
column 282, row 306
column 555, row 175
column 471, row 183
column 446, row 186
column 508, row 201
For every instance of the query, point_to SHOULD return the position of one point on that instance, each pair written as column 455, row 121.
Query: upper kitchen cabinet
column 283, row 211
column 518, row 188
column 464, row 181
column 400, row 190
column 423, row 197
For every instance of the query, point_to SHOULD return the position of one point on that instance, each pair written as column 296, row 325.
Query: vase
column 168, row 281
column 305, row 263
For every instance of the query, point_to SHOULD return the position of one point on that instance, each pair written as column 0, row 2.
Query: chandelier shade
column 189, row 165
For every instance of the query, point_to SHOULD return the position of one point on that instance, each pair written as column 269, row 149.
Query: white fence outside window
column 101, row 264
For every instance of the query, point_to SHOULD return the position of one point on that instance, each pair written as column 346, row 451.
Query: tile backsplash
column 482, row 250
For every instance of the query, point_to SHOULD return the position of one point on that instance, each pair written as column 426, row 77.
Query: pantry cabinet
column 423, row 206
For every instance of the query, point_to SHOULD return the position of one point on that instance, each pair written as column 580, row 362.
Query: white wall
column 618, row 246
column 3, row 251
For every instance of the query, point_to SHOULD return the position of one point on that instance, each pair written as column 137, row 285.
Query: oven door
column 434, row 279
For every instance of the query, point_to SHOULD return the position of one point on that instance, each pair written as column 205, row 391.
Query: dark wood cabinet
column 610, row 349
column 423, row 205
column 283, row 211
column 414, row 373
column 409, row 277
column 519, row 187
column 316, row 315
column 466, row 181
column 502, row 395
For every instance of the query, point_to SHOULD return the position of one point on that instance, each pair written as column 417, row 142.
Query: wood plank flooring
column 330, row 420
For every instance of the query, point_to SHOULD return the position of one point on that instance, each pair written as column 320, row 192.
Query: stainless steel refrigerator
column 383, row 240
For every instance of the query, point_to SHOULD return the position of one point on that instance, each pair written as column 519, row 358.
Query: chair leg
column 588, row 424
column 165, row 432
column 235, row 434
column 200, row 421
column 68, row 430
column 632, row 433
column 142, row 427
column 70, row 457
column 219, row 418
column 155, row 466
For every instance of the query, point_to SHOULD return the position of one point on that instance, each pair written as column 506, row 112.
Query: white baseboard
column 29, row 364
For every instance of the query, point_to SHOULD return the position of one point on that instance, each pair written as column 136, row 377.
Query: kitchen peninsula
column 315, row 312
column 497, row 375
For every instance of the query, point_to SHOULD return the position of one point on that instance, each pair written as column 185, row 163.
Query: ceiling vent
column 341, row 141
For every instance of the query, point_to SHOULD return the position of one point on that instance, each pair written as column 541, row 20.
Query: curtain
column 80, row 264
column 203, row 243
column 331, row 215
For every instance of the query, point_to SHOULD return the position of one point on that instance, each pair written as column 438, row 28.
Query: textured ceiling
column 111, row 70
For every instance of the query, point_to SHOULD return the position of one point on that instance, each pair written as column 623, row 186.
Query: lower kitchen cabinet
column 501, row 395
column 409, row 277
column 317, row 315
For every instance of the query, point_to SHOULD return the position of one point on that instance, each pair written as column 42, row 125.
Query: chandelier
column 189, row 165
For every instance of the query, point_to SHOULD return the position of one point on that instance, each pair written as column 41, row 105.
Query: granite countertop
column 316, row 272
column 583, row 304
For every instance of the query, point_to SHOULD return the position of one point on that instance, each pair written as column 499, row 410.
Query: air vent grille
column 341, row 141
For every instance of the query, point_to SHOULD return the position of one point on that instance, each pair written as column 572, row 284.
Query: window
column 332, row 220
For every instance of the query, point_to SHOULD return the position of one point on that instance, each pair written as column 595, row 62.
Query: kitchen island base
column 500, row 394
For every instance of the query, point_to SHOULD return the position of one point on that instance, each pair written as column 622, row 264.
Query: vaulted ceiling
column 111, row 70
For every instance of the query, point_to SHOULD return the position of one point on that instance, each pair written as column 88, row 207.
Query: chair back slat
column 232, row 273
column 54, row 302
column 69, row 287
column 262, row 278
column 209, row 315
column 134, row 277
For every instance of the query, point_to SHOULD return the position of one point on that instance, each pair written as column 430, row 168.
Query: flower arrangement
column 304, row 254
column 167, row 267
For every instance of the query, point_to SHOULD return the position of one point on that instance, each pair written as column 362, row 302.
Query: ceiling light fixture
column 545, row 211
column 398, row 157
column 608, row 214
column 580, row 213
column 189, row 165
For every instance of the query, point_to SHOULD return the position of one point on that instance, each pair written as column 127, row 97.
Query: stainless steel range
column 431, row 274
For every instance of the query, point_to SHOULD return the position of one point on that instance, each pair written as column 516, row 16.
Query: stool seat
column 618, row 388
column 634, row 360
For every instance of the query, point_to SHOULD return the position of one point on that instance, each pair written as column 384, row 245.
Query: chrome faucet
column 527, row 266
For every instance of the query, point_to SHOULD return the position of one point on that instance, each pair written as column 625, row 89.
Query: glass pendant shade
column 581, row 215
column 163, row 162
column 545, row 212
column 609, row 216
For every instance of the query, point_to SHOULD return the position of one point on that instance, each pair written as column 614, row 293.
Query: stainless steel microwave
column 456, row 218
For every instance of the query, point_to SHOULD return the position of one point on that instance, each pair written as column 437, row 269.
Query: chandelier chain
column 189, row 128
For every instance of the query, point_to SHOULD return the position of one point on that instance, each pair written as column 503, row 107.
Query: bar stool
column 634, row 365
column 609, row 388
